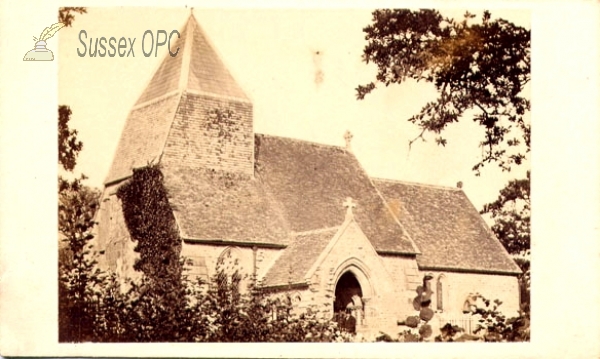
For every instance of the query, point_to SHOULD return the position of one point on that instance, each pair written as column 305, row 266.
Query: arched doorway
column 347, row 287
column 349, row 296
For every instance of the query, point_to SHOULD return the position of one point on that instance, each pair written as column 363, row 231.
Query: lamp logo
column 40, row 52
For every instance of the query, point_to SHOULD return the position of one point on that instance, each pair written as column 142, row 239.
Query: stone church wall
column 406, row 276
column 112, row 237
column 456, row 287
column 205, row 257
column 353, row 252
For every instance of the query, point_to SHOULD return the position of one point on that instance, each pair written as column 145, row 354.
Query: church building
column 305, row 218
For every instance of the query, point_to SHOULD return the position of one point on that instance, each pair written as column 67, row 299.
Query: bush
column 206, row 312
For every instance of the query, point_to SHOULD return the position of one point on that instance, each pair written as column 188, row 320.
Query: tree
column 481, row 68
column 474, row 67
column 511, row 213
column 68, row 144
column 65, row 14
column 80, row 281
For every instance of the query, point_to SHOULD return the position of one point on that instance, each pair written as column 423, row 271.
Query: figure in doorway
column 359, row 309
column 350, row 322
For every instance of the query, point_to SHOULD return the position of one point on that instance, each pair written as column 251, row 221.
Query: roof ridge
column 316, row 231
column 156, row 99
column 318, row 144
column 390, row 180
column 184, row 72
column 387, row 205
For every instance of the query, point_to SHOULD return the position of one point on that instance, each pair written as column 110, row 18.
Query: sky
column 299, row 67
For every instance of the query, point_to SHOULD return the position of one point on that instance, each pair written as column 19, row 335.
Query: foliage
column 495, row 327
column 151, row 224
column 213, row 312
column 160, row 301
column 68, row 144
column 511, row 213
column 65, row 14
column 256, row 316
column 418, row 327
column 80, row 281
column 480, row 67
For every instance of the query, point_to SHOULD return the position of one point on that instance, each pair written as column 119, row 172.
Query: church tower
column 192, row 113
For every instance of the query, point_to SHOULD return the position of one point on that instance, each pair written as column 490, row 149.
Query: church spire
column 196, row 68
column 173, row 121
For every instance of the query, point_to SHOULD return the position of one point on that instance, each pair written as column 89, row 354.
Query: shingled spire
column 197, row 68
column 192, row 113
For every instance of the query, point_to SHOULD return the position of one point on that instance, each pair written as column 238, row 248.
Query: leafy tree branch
column 480, row 67
column 65, row 14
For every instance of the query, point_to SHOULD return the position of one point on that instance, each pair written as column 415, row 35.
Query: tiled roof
column 167, row 77
column 446, row 227
column 311, row 181
column 295, row 261
column 298, row 186
column 211, row 205
column 207, row 72
column 143, row 137
column 196, row 67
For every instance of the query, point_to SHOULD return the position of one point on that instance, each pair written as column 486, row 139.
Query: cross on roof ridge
column 349, row 204
column 348, row 138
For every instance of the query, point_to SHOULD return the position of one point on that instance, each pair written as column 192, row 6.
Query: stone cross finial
column 349, row 204
column 348, row 137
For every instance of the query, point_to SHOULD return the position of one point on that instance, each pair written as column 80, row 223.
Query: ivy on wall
column 151, row 224
column 226, row 126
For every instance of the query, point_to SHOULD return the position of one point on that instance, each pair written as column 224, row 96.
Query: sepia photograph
column 293, row 175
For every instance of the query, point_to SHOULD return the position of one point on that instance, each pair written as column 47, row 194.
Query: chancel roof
column 446, row 227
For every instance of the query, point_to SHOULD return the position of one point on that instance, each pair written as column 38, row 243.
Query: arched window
column 440, row 292
column 296, row 299
column 231, row 263
column 229, row 260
